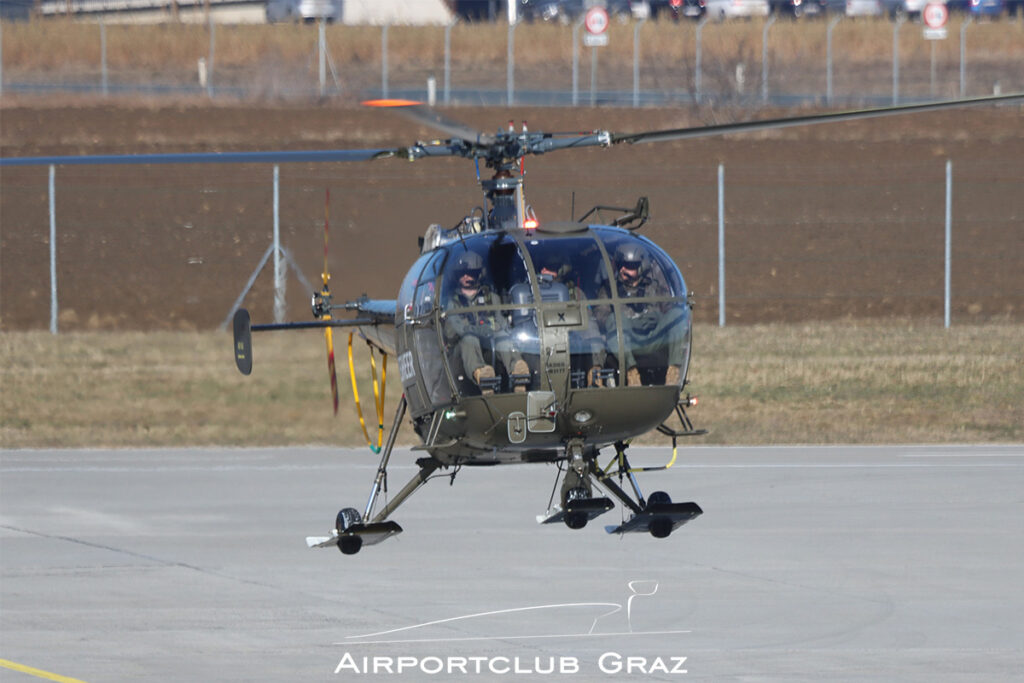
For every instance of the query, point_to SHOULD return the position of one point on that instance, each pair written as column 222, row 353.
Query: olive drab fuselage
column 555, row 301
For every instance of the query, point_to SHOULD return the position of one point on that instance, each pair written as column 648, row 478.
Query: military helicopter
column 519, row 340
column 526, row 341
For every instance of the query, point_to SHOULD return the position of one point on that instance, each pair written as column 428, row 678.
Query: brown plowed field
column 833, row 221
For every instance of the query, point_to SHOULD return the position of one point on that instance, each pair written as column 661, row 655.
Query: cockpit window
column 479, row 273
column 425, row 288
column 485, row 263
column 525, row 312
column 575, row 262
column 639, row 264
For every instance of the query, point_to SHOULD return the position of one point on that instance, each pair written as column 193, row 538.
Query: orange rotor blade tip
column 390, row 103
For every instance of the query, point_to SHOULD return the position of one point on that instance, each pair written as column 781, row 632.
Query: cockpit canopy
column 593, row 309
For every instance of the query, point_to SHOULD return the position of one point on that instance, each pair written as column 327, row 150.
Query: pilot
column 552, row 269
column 650, row 329
column 467, row 329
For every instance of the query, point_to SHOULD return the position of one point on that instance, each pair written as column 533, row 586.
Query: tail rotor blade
column 325, row 294
column 243, row 341
column 330, row 367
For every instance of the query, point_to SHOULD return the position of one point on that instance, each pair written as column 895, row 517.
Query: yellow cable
column 619, row 457
column 663, row 467
column 378, row 393
column 355, row 393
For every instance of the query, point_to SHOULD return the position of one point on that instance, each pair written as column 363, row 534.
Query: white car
column 723, row 9
column 863, row 8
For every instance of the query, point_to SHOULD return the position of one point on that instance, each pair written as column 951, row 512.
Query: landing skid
column 352, row 539
column 579, row 511
column 659, row 519
column 351, row 533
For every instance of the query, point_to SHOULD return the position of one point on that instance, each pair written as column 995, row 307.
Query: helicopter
column 528, row 341
column 521, row 340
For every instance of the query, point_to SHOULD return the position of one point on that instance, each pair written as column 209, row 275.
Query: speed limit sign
column 935, row 16
column 596, row 23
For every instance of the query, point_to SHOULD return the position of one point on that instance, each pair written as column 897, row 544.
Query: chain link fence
column 787, row 63
column 172, row 247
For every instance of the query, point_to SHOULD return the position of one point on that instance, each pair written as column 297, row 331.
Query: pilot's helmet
column 550, row 259
column 631, row 255
column 469, row 262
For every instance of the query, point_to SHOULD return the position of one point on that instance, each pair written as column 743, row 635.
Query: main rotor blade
column 768, row 124
column 418, row 112
column 212, row 157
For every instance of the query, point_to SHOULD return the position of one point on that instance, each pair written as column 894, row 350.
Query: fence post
column 963, row 55
column 384, row 61
column 209, row 68
column 636, row 63
column 949, row 236
column 510, row 69
column 448, row 61
column 696, row 77
column 764, row 57
column 279, row 265
column 828, row 58
column 896, row 59
column 931, row 74
column 103, row 58
column 53, row 252
column 721, row 245
column 322, row 49
column 576, row 62
column 593, row 75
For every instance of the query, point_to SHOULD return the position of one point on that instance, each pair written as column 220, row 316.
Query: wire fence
column 172, row 247
column 786, row 63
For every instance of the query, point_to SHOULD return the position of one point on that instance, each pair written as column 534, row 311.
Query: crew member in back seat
column 555, row 272
column 465, row 330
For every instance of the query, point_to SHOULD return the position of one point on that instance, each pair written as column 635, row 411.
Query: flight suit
column 471, row 332
column 651, row 330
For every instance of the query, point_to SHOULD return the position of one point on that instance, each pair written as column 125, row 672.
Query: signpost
column 596, row 23
column 935, row 16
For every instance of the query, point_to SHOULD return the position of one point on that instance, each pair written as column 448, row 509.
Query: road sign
column 935, row 16
column 596, row 23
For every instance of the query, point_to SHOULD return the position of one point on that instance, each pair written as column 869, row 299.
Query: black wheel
column 350, row 545
column 660, row 527
column 658, row 498
column 346, row 519
column 576, row 521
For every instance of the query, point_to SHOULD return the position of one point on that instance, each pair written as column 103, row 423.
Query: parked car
column 568, row 11
column 986, row 8
column 727, row 9
column 282, row 11
column 903, row 8
column 674, row 10
column 303, row 10
column 806, row 8
column 692, row 9
column 16, row 10
column 863, row 8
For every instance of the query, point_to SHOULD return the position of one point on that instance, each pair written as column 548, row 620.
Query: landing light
column 583, row 416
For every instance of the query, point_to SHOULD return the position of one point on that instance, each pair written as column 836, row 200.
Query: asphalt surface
column 812, row 563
